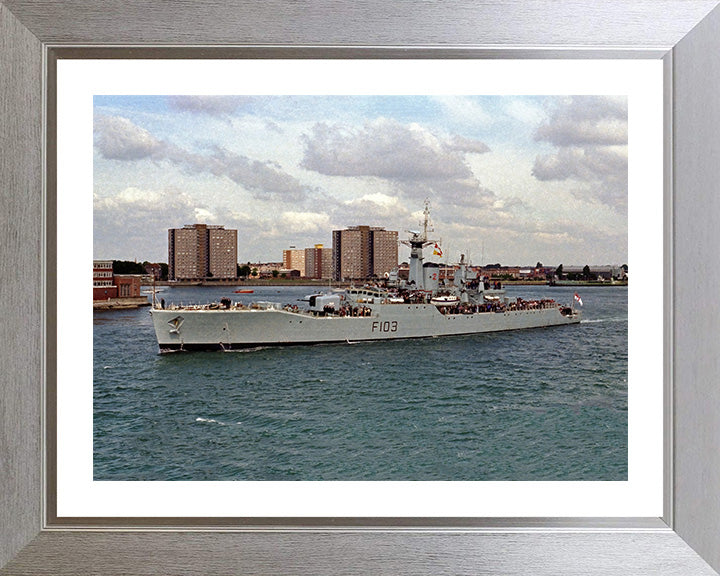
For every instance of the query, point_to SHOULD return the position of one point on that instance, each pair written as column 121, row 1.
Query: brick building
column 294, row 259
column 318, row 262
column 103, row 285
column 107, row 285
column 128, row 285
column 200, row 251
column 361, row 252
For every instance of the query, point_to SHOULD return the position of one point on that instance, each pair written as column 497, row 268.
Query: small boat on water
column 244, row 291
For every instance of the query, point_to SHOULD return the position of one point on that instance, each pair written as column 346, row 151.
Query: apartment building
column 318, row 262
column 361, row 252
column 294, row 259
column 200, row 251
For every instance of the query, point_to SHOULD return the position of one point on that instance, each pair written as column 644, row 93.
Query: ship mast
column 418, row 241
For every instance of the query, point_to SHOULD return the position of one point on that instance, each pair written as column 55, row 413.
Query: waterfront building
column 536, row 273
column 294, row 259
column 601, row 273
column 318, row 262
column 384, row 255
column 268, row 269
column 107, row 285
column 128, row 285
column 361, row 252
column 103, row 285
column 496, row 271
column 200, row 251
column 283, row 273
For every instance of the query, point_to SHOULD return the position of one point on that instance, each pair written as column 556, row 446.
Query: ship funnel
column 431, row 276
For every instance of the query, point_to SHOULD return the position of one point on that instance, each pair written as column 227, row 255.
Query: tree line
column 131, row 267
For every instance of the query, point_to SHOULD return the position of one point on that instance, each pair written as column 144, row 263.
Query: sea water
column 539, row 404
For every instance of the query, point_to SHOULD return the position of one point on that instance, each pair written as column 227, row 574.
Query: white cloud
column 118, row 139
column 305, row 221
column 385, row 149
column 595, row 132
column 374, row 209
column 375, row 202
column 416, row 162
column 463, row 144
column 203, row 215
column 590, row 135
column 212, row 105
column 137, row 198
column 134, row 222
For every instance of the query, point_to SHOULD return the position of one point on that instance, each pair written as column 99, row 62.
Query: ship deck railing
column 366, row 309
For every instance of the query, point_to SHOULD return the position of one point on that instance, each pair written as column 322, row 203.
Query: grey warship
column 419, row 307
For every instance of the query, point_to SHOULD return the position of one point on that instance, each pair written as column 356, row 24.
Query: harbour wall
column 120, row 303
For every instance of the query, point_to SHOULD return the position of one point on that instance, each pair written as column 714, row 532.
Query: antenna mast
column 418, row 241
column 426, row 212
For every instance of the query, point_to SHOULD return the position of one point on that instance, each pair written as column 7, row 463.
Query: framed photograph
column 596, row 122
column 466, row 414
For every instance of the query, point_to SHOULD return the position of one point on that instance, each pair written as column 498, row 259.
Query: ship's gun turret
column 324, row 302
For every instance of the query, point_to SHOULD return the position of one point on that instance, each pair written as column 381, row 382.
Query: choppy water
column 542, row 404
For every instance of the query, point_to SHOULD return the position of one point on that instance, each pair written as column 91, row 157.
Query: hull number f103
column 386, row 326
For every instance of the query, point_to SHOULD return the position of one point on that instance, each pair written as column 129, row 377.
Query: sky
column 509, row 179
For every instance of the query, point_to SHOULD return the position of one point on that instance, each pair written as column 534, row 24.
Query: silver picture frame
column 685, row 34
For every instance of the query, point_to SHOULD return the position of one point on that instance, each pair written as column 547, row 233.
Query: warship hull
column 207, row 329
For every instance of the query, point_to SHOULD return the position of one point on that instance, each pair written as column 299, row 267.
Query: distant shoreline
column 246, row 283
column 325, row 284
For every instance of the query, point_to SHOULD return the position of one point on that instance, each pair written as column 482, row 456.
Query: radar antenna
column 418, row 238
